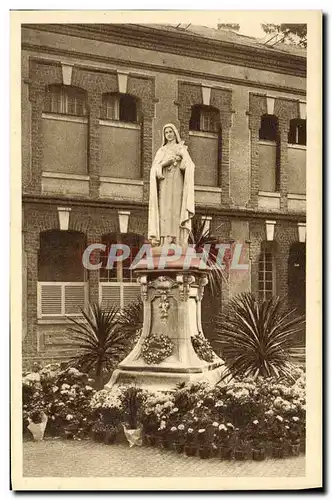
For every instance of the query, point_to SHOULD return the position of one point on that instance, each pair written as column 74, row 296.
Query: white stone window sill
column 60, row 175
column 209, row 135
column 118, row 124
column 211, row 189
column 58, row 321
column 267, row 143
column 116, row 180
column 65, row 118
column 270, row 194
column 296, row 196
column 297, row 146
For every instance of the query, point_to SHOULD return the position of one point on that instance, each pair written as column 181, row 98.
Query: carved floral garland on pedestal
column 203, row 348
column 156, row 348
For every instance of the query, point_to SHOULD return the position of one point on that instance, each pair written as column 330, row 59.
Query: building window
column 269, row 128
column 205, row 144
column 119, row 285
column 297, row 132
column 62, row 287
column 65, row 100
column 266, row 274
column 120, row 107
column 204, row 119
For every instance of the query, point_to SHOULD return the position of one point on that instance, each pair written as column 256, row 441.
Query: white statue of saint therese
column 171, row 203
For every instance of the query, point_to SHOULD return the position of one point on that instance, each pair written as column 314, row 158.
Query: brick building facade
column 94, row 100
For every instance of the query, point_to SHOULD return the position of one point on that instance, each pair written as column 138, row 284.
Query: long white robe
column 171, row 203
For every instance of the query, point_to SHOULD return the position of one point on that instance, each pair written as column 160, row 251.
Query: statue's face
column 169, row 134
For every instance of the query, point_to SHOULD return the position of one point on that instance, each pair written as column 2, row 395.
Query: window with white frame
column 61, row 287
column 266, row 273
column 66, row 100
column 204, row 119
column 120, row 107
column 117, row 282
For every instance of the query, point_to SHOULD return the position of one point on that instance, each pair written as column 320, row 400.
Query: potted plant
column 37, row 424
column 240, row 444
column 132, row 401
column 98, row 431
column 224, row 435
column 190, row 447
column 277, row 430
column 204, row 441
column 179, row 438
column 110, row 434
column 294, row 436
column 258, row 440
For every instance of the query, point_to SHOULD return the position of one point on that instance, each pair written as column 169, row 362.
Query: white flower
column 190, row 430
column 55, row 388
column 255, row 422
column 64, row 387
column 69, row 417
column 181, row 427
column 201, row 431
column 173, row 429
column 215, row 424
column 278, row 417
column 231, row 426
column 89, row 388
column 296, row 419
column 222, row 427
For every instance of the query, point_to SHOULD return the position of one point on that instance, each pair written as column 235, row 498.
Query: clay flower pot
column 278, row 451
column 294, row 449
column 258, row 454
column 179, row 447
column 225, row 453
column 110, row 436
column 204, row 452
column 239, row 454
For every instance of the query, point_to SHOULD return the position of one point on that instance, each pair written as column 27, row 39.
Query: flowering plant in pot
column 277, row 429
column 294, row 432
column 132, row 399
column 205, row 436
column 190, row 439
column 241, row 443
column 257, row 436
column 224, row 440
column 177, row 435
column 156, row 409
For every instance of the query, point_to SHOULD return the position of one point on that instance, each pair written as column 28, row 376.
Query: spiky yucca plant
column 200, row 237
column 99, row 340
column 256, row 338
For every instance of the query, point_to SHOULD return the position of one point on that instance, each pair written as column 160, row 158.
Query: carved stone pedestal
column 172, row 306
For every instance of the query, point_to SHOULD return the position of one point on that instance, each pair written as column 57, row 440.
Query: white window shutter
column 50, row 300
column 74, row 299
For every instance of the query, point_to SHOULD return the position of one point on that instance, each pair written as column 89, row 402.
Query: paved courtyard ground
column 58, row 458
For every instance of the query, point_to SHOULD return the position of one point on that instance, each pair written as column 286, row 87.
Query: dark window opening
column 269, row 128
column 120, row 107
column 297, row 132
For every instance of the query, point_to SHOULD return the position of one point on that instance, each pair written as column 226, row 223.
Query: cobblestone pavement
column 58, row 458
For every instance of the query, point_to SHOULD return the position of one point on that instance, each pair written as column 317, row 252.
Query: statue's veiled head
column 170, row 134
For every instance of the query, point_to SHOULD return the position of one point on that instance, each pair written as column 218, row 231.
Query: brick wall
column 284, row 110
column 95, row 83
column 190, row 94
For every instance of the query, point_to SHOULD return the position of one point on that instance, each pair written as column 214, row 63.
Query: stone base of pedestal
column 172, row 308
column 162, row 381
